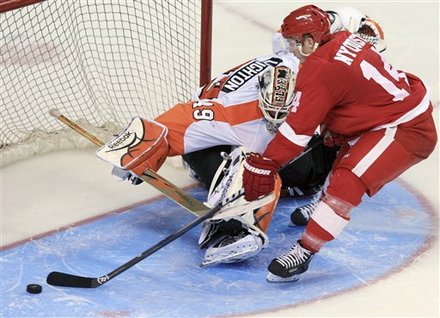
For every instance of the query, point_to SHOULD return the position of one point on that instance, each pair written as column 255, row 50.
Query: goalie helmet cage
column 99, row 62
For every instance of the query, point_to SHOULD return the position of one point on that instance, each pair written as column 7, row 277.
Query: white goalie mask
column 276, row 87
column 345, row 18
column 356, row 22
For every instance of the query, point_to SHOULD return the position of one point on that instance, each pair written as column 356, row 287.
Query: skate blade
column 295, row 225
column 233, row 258
column 271, row 278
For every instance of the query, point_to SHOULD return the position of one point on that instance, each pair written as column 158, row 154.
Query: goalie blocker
column 141, row 145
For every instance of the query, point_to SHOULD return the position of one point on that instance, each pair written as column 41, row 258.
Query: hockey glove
column 259, row 176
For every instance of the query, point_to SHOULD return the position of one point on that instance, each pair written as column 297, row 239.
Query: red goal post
column 99, row 62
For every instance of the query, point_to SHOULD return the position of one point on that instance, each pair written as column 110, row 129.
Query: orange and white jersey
column 225, row 111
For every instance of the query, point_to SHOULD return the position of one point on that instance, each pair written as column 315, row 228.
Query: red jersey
column 347, row 85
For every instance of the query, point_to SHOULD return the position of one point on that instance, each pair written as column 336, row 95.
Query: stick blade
column 68, row 280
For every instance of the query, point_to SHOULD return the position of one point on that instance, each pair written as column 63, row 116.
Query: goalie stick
column 173, row 192
column 68, row 280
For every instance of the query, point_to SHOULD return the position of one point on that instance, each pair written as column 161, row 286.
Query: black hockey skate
column 289, row 266
column 301, row 216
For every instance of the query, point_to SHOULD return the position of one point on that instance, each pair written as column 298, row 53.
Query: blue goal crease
column 393, row 227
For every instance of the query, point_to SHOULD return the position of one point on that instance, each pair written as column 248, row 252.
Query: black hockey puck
column 34, row 288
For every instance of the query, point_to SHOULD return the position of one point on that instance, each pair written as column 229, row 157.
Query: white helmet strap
column 300, row 49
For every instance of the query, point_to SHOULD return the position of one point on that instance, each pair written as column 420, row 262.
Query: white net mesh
column 101, row 62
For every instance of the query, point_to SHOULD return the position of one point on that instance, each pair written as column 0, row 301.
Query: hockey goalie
column 244, row 121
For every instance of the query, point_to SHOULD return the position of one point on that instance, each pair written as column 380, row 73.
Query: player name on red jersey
column 349, row 49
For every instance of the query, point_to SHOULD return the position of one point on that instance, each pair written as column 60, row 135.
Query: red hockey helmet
column 307, row 20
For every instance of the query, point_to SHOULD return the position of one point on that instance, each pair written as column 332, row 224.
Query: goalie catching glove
column 140, row 146
column 259, row 176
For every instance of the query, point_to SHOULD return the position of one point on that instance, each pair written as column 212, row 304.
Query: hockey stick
column 68, row 280
column 173, row 192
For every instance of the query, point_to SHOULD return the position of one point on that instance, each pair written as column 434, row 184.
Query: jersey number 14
column 389, row 84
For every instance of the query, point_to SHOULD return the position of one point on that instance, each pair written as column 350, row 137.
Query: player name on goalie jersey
column 247, row 72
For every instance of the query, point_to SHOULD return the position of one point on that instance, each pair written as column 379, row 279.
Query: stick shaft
column 80, row 130
column 163, row 243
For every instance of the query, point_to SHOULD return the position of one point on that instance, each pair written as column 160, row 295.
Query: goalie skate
column 232, row 249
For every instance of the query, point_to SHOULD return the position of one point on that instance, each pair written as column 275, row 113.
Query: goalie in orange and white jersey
column 238, row 111
column 233, row 109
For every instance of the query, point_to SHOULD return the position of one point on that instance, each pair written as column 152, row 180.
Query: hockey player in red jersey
column 381, row 116
column 341, row 18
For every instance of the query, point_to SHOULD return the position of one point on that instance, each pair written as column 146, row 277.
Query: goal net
column 99, row 62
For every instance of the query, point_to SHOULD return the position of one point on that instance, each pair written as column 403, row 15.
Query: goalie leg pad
column 141, row 145
column 237, row 232
column 263, row 216
column 227, row 179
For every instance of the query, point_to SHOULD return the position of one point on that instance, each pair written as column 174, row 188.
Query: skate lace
column 294, row 257
column 308, row 209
